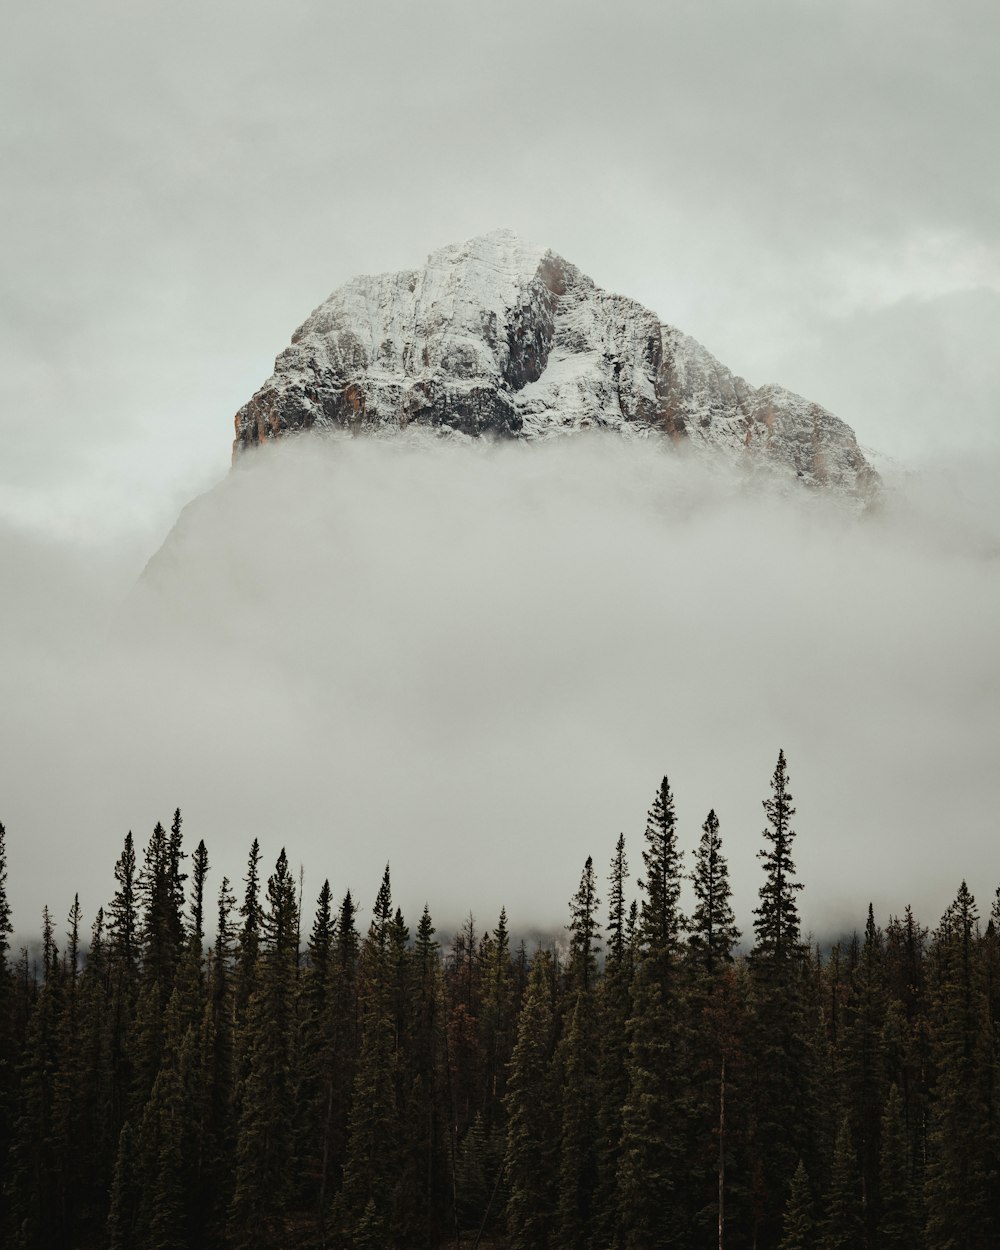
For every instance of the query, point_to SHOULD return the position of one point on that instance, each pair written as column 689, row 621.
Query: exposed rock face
column 497, row 338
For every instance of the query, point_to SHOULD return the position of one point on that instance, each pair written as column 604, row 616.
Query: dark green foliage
column 532, row 1121
column 651, row 1168
column 713, row 927
column 777, row 925
column 960, row 1172
column 265, row 1134
column 797, row 1229
column 158, row 1095
column 843, row 1227
column 898, row 1224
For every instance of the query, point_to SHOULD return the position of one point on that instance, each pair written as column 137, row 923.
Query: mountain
column 498, row 338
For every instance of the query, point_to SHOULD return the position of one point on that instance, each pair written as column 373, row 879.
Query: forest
column 233, row 1070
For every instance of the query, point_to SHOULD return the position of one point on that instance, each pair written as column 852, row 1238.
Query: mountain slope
column 495, row 337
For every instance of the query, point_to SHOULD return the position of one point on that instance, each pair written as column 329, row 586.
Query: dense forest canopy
column 291, row 1080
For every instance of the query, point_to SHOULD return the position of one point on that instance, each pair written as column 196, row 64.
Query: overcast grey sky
column 810, row 189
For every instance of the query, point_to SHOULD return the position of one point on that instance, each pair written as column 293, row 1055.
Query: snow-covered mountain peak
column 498, row 337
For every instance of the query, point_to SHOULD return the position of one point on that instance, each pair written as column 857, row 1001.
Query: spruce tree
column 958, row 1180
column 777, row 925
column 797, row 1231
column 613, row 1007
column 898, row 1223
column 578, row 1065
column 843, row 1228
column 713, row 927
column 532, row 1123
column 265, row 1139
column 365, row 1203
column 651, row 1191
column 7, row 1039
column 783, row 1126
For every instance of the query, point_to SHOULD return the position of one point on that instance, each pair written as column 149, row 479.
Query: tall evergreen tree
column 532, row 1122
column 898, row 1223
column 365, row 1205
column 958, row 1179
column 713, row 926
column 798, row 1227
column 578, row 1063
column 654, row 1130
column 265, row 1140
column 843, row 1227
column 777, row 925
column 783, row 1126
column 7, row 1040
column 614, row 1004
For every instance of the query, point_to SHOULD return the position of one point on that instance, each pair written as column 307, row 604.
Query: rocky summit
column 497, row 338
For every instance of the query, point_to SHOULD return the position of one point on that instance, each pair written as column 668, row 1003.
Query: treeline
column 643, row 1087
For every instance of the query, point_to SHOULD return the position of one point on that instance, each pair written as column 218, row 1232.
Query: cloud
column 478, row 662
column 183, row 185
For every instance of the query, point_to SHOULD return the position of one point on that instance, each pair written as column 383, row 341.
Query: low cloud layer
column 478, row 663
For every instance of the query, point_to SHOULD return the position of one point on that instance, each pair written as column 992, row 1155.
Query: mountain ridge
column 501, row 339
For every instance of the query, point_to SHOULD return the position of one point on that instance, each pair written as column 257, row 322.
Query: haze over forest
column 478, row 662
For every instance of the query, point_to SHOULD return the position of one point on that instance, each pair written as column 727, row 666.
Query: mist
column 477, row 662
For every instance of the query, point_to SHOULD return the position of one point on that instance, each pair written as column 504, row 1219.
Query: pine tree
column 716, row 1023
column 265, row 1139
column 613, row 1007
column 421, row 1189
column 532, row 1125
column 249, row 939
column 372, row 1159
column 199, row 872
column 497, row 1027
column 798, row 1224
column 578, row 1063
column 777, row 924
column 584, row 941
column 898, row 1225
column 654, row 1117
column 314, row 1094
column 842, row 1228
column 713, row 927
column 863, row 1061
column 7, row 1039
column 958, row 1182
column 783, row 1125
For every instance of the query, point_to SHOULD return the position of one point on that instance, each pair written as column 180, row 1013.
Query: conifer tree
column 863, row 1061
column 421, row 1187
column 714, row 1024
column 777, row 925
column 842, row 1229
column 654, row 1116
column 498, row 1024
column 713, row 927
column 249, row 938
column 783, row 1126
column 199, row 872
column 578, row 1064
column 7, row 1040
column 898, row 1223
column 33, row 1191
column 613, row 1007
column 958, row 1183
column 364, row 1206
column 797, row 1233
column 265, row 1139
column 532, row 1124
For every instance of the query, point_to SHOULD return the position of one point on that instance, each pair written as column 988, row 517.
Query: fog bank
column 478, row 663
